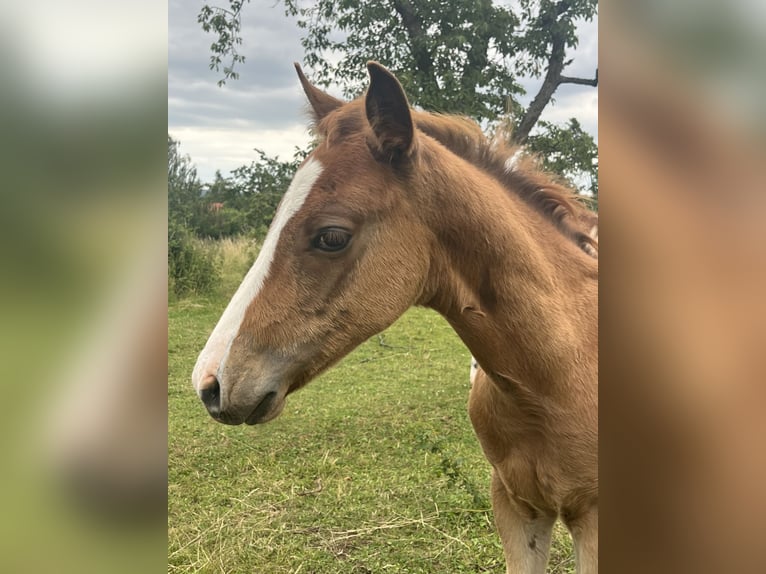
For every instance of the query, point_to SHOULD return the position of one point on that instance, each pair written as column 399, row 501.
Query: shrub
column 191, row 269
column 216, row 224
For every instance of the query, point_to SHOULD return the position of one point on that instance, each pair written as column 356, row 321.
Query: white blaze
column 212, row 356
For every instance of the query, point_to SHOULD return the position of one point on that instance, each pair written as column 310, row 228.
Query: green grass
column 371, row 468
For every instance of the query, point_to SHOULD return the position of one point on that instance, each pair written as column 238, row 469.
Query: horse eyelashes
column 331, row 240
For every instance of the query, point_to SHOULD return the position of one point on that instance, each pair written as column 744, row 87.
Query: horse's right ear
column 321, row 103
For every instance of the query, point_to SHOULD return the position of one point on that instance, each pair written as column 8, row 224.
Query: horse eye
column 331, row 239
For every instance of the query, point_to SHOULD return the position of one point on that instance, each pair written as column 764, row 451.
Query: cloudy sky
column 219, row 127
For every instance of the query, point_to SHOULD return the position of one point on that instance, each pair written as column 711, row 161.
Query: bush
column 224, row 222
column 191, row 269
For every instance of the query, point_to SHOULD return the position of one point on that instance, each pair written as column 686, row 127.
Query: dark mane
column 463, row 137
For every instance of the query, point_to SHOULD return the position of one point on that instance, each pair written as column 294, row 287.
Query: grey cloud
column 267, row 92
column 262, row 106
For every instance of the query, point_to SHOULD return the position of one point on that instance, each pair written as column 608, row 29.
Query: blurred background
column 683, row 272
column 83, row 287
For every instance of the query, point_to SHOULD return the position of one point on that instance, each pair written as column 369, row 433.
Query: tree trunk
column 418, row 40
column 551, row 82
column 553, row 77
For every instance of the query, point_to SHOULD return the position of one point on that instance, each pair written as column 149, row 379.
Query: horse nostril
column 211, row 397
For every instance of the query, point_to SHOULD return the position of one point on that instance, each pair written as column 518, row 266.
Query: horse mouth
column 260, row 412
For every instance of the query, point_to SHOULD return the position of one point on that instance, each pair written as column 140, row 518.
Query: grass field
column 371, row 468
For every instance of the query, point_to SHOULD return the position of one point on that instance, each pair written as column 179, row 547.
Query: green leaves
column 241, row 204
column 226, row 23
column 446, row 54
column 452, row 56
column 570, row 152
column 183, row 185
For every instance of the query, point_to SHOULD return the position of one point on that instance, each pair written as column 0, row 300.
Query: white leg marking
column 213, row 355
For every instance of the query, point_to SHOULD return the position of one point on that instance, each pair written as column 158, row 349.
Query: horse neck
column 521, row 296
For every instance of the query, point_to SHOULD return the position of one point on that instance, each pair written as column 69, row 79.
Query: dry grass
column 233, row 256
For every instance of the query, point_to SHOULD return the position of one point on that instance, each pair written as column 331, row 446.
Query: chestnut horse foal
column 397, row 207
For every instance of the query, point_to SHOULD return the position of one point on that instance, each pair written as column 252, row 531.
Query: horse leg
column 584, row 531
column 526, row 539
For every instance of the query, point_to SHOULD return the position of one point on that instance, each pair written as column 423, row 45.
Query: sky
column 219, row 127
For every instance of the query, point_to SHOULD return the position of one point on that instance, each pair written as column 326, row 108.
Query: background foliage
column 242, row 204
column 454, row 56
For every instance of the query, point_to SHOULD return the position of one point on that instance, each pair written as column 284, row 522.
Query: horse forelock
column 343, row 123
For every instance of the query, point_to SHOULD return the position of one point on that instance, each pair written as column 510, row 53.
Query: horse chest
column 520, row 448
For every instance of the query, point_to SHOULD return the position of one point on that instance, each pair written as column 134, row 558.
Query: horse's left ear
column 389, row 113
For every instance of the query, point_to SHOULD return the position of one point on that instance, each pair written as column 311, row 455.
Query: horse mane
column 517, row 170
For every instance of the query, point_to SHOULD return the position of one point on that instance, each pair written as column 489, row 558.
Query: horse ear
column 389, row 112
column 321, row 103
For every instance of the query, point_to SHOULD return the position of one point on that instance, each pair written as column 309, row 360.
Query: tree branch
column 550, row 83
column 553, row 77
column 581, row 81
column 227, row 24
column 477, row 54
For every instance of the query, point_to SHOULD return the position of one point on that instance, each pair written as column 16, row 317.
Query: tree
column 569, row 152
column 190, row 269
column 548, row 33
column 184, row 187
column 243, row 203
column 454, row 56
column 262, row 185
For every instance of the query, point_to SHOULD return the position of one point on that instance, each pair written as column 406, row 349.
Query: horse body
column 405, row 208
column 529, row 316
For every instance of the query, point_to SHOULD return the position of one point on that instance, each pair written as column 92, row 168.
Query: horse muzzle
column 254, row 408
